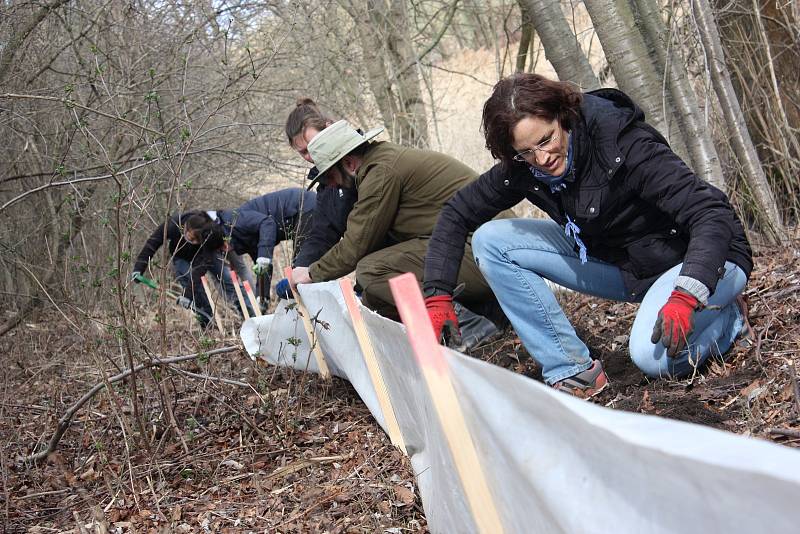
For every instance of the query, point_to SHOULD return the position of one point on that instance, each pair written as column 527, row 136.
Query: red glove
column 675, row 322
column 444, row 320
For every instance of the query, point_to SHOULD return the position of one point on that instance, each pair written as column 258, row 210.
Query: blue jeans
column 517, row 255
column 188, row 275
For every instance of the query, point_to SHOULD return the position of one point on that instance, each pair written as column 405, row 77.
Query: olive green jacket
column 401, row 192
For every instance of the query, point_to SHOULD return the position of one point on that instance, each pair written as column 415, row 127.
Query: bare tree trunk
column 561, row 47
column 525, row 41
column 734, row 119
column 702, row 153
column 376, row 76
column 412, row 118
column 629, row 59
column 392, row 69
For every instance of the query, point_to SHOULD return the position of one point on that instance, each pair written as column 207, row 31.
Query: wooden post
column 242, row 304
column 252, row 298
column 324, row 372
column 373, row 367
column 207, row 289
column 436, row 373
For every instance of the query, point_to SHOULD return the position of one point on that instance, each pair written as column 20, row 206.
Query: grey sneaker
column 585, row 384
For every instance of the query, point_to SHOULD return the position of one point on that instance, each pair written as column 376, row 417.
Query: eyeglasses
column 544, row 146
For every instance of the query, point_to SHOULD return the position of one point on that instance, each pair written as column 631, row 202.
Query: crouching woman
column 629, row 221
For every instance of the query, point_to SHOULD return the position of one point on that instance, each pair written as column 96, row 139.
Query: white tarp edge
column 553, row 463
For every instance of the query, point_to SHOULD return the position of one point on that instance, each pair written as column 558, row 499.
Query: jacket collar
column 605, row 114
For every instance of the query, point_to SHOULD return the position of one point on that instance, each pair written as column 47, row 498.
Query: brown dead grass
column 286, row 454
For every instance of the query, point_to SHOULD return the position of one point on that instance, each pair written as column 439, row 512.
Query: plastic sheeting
column 553, row 463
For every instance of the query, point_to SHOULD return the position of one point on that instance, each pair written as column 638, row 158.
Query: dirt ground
column 274, row 450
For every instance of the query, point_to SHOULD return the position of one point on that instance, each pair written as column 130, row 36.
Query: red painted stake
column 435, row 370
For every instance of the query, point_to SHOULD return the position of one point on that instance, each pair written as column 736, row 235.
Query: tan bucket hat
column 335, row 142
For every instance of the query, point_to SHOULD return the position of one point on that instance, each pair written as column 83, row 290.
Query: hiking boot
column 475, row 329
column 585, row 384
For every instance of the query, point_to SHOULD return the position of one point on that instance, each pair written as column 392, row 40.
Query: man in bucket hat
column 401, row 191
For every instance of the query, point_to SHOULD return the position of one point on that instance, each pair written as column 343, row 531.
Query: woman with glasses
column 629, row 221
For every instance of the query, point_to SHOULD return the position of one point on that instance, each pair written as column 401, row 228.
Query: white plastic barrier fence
column 552, row 463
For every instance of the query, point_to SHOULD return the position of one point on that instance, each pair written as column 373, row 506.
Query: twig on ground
column 212, row 378
column 788, row 432
column 795, row 388
column 66, row 420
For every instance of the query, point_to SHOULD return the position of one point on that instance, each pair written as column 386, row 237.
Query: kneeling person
column 401, row 191
column 191, row 258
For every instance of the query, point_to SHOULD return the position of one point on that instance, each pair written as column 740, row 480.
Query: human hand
column 675, row 322
column 443, row 319
column 184, row 302
column 135, row 276
column 282, row 289
column 300, row 275
column 261, row 266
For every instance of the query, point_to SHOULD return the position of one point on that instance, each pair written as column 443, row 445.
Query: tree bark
column 560, row 45
column 701, row 151
column 392, row 70
column 737, row 131
column 413, row 119
column 376, row 76
column 524, row 52
column 629, row 59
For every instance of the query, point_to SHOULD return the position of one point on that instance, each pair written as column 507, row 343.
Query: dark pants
column 188, row 275
column 374, row 271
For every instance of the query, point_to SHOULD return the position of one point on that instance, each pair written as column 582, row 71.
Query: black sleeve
column 150, row 247
column 703, row 211
column 253, row 233
column 470, row 207
column 333, row 205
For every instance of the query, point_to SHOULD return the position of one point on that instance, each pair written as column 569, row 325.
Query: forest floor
column 280, row 451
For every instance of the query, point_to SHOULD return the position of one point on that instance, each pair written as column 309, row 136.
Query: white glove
column 261, row 266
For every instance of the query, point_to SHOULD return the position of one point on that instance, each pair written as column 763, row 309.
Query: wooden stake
column 242, row 305
column 252, row 298
column 207, row 289
column 373, row 366
column 324, row 372
column 436, row 373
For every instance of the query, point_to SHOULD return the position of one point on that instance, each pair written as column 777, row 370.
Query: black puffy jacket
column 250, row 232
column 637, row 204
column 285, row 206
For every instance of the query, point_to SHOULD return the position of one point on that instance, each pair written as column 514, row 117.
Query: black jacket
column 178, row 246
column 250, row 232
column 637, row 204
column 285, row 207
column 333, row 206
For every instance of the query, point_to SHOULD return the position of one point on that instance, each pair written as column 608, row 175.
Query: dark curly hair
column 526, row 95
column 212, row 236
